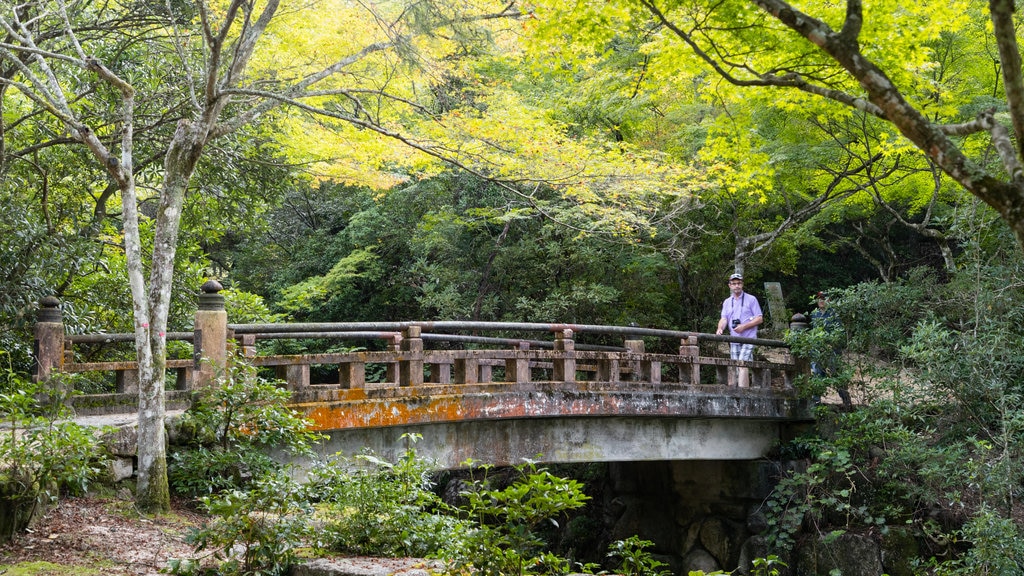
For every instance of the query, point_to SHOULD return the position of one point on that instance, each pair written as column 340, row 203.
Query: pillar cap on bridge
column 798, row 322
column 209, row 299
column 49, row 310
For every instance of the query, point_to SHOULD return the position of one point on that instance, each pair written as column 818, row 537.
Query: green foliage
column 245, row 308
column 229, row 430
column 505, row 538
column 769, row 566
column 878, row 317
column 634, row 560
column 42, row 455
column 254, row 532
column 822, row 495
column 260, row 515
column 997, row 548
column 374, row 507
column 453, row 246
column 817, row 345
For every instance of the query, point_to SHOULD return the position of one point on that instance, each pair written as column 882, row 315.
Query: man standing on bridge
column 741, row 313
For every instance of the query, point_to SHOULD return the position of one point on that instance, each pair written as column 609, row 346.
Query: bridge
column 549, row 392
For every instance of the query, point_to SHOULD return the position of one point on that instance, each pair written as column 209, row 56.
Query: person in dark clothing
column 825, row 317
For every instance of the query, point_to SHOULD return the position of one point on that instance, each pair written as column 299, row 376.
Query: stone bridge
column 584, row 394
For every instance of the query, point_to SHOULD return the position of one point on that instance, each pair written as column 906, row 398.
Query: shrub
column 374, row 507
column 41, row 455
column 229, row 431
column 505, row 538
column 254, row 532
column 634, row 560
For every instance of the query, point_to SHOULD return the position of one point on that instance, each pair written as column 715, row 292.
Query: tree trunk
column 152, row 491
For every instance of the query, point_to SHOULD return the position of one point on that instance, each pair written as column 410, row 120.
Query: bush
column 374, row 507
column 41, row 456
column 229, row 431
column 634, row 560
column 254, row 532
column 505, row 538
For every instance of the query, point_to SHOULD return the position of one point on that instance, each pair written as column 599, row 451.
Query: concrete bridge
column 574, row 393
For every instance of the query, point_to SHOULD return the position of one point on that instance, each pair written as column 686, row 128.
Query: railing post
column 634, row 348
column 467, row 370
column 642, row 370
column 411, row 367
column 608, row 369
column 211, row 336
column 518, row 369
column 351, row 375
column 688, row 348
column 49, row 339
column 564, row 368
column 391, row 371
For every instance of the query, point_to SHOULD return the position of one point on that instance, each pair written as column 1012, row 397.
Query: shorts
column 739, row 351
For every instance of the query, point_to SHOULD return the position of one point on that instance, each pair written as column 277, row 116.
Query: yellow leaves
column 340, row 152
column 308, row 36
column 732, row 160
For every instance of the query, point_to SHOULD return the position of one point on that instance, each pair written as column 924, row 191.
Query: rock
column 851, row 554
column 757, row 523
column 899, row 549
column 754, row 547
column 700, row 560
column 120, row 468
column 719, row 538
column 363, row 566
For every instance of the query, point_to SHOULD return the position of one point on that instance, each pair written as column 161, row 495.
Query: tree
column 876, row 63
column 62, row 63
column 361, row 94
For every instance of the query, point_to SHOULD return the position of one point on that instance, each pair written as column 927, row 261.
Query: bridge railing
column 419, row 354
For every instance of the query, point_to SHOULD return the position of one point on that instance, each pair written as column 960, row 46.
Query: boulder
column 851, row 554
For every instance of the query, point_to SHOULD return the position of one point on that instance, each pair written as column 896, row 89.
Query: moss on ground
column 46, row 569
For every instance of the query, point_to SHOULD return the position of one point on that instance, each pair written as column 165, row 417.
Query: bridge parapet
column 435, row 359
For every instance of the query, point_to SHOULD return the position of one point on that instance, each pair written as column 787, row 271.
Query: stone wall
column 701, row 515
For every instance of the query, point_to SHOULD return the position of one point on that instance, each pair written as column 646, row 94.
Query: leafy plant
column 373, row 507
column 997, row 548
column 826, row 488
column 41, row 455
column 254, row 532
column 635, row 560
column 505, row 538
column 229, row 431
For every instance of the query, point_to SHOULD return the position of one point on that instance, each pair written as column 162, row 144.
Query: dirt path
column 106, row 534
column 95, row 536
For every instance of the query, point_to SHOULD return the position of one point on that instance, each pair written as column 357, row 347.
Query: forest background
column 596, row 163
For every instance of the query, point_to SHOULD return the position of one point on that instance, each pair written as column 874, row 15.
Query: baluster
column 411, row 366
column 296, row 376
column 351, row 375
column 608, row 369
column 564, row 368
column 248, row 344
column 689, row 373
column 391, row 372
column 518, row 369
column 636, row 370
column 467, row 370
column 440, row 373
